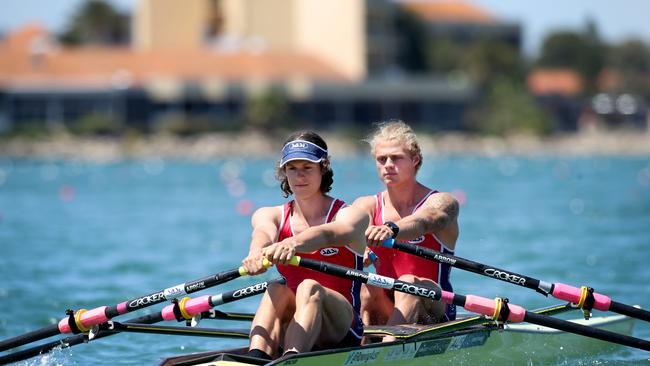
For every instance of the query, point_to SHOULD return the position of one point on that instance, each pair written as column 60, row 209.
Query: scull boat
column 503, row 333
column 473, row 340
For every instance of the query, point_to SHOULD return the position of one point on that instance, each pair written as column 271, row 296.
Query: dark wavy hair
column 326, row 168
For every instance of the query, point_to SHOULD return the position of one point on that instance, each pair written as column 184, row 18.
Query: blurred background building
column 204, row 65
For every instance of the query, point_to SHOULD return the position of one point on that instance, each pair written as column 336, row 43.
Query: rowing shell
column 468, row 343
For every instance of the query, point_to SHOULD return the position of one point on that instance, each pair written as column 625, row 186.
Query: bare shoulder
column 352, row 214
column 444, row 201
column 365, row 203
column 271, row 214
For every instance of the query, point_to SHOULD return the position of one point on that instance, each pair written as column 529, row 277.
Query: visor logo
column 298, row 145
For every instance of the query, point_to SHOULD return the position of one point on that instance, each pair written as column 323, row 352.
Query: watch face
column 393, row 227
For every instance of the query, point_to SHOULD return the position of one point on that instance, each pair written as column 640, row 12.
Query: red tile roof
column 448, row 11
column 27, row 57
column 564, row 82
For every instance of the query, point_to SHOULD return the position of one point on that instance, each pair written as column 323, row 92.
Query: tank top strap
column 337, row 204
column 424, row 199
column 378, row 217
column 285, row 224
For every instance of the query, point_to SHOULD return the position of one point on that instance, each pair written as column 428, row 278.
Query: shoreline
column 259, row 145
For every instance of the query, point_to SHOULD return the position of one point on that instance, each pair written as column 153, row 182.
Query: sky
column 616, row 19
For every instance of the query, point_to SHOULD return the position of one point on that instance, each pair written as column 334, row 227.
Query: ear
column 416, row 160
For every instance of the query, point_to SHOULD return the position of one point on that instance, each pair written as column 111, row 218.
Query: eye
column 381, row 159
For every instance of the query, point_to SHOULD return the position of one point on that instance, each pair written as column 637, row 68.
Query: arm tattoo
column 447, row 204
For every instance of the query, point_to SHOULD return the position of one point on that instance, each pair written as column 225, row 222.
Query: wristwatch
column 393, row 227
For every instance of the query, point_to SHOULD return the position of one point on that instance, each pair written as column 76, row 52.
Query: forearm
column 416, row 225
column 313, row 239
column 259, row 241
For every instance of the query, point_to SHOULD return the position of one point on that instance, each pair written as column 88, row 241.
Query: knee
column 310, row 291
column 408, row 278
column 406, row 298
column 275, row 288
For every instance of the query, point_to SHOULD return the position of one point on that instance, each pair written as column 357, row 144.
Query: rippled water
column 80, row 235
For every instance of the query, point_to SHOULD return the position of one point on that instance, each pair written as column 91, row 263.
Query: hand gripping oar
column 584, row 297
column 83, row 320
column 216, row 300
column 498, row 309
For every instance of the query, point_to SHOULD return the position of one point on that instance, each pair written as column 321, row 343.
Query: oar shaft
column 223, row 298
column 630, row 311
column 32, row 336
column 183, row 331
column 69, row 341
column 584, row 330
column 102, row 314
column 497, row 308
column 558, row 290
column 471, row 266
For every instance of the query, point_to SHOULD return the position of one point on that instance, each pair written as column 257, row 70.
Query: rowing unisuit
column 393, row 263
column 344, row 256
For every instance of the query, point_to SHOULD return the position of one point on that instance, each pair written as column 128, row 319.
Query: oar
column 170, row 330
column 83, row 320
column 450, row 326
column 584, row 297
column 159, row 316
column 498, row 309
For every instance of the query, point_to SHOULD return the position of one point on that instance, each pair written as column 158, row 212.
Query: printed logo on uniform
column 328, row 252
column 417, row 240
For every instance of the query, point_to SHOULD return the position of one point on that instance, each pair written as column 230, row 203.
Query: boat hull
column 485, row 345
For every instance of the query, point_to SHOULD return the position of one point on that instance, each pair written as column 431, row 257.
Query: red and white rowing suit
column 394, row 263
column 344, row 256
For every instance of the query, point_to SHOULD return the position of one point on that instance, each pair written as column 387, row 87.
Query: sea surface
column 75, row 234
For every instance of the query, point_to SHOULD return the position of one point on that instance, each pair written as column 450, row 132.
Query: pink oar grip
column 198, row 305
column 573, row 294
column 192, row 307
column 168, row 313
column 480, row 305
column 447, row 297
column 485, row 306
column 93, row 317
column 517, row 313
column 64, row 327
column 121, row 308
column 88, row 319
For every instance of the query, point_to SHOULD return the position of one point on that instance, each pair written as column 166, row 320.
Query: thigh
column 376, row 303
column 338, row 315
column 275, row 310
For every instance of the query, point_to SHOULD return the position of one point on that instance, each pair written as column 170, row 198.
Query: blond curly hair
column 398, row 131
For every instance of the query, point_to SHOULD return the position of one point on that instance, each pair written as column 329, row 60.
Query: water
column 80, row 235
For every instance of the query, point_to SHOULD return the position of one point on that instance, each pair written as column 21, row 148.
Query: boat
column 471, row 340
column 501, row 333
